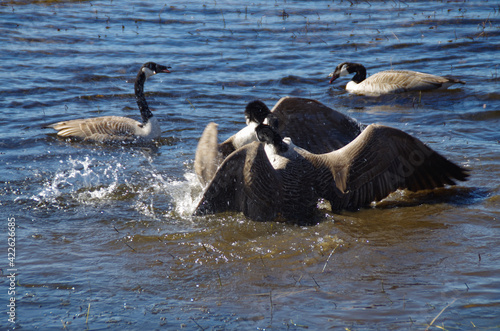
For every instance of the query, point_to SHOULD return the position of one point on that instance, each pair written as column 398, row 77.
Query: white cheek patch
column 343, row 70
column 148, row 72
column 245, row 135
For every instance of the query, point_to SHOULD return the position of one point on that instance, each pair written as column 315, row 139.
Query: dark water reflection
column 104, row 236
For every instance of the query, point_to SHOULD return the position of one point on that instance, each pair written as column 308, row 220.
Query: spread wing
column 98, row 129
column 380, row 161
column 245, row 182
column 207, row 157
column 314, row 126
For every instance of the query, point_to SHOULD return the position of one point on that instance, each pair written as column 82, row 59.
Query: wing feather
column 377, row 163
column 314, row 126
column 207, row 157
column 98, row 128
column 397, row 81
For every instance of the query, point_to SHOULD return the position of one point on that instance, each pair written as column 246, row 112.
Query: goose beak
column 166, row 70
column 333, row 77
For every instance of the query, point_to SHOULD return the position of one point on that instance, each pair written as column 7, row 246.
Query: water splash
column 89, row 181
column 85, row 181
column 186, row 194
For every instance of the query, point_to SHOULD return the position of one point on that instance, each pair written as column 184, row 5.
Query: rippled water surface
column 104, row 236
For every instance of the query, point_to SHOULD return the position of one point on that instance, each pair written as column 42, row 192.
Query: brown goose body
column 266, row 184
column 389, row 81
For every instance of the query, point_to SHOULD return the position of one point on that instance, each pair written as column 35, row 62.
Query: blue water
column 104, row 236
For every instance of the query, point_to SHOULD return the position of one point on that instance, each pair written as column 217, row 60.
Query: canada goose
column 278, row 180
column 310, row 124
column 116, row 128
column 389, row 81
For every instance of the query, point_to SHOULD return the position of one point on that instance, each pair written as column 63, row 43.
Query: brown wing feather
column 314, row 126
column 406, row 80
column 98, row 128
column 378, row 162
column 207, row 157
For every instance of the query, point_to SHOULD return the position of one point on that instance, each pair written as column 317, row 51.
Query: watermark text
column 12, row 270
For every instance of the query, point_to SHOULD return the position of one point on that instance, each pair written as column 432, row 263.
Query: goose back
column 399, row 81
column 244, row 182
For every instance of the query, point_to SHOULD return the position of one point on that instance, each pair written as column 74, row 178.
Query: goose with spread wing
column 117, row 128
column 389, row 81
column 277, row 180
column 309, row 123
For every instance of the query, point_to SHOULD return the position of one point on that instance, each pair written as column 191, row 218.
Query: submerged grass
column 87, row 318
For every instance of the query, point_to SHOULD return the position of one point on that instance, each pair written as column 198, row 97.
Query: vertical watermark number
column 12, row 270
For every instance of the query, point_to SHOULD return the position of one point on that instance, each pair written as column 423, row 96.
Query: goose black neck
column 281, row 146
column 360, row 72
column 146, row 114
column 278, row 143
column 268, row 135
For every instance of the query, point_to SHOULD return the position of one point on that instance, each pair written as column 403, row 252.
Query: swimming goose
column 116, row 128
column 389, row 81
column 310, row 124
column 277, row 180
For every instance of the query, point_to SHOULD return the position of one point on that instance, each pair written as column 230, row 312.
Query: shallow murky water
column 104, row 236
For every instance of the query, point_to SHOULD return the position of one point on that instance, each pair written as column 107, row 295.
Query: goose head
column 256, row 111
column 347, row 68
column 151, row 68
column 270, row 137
